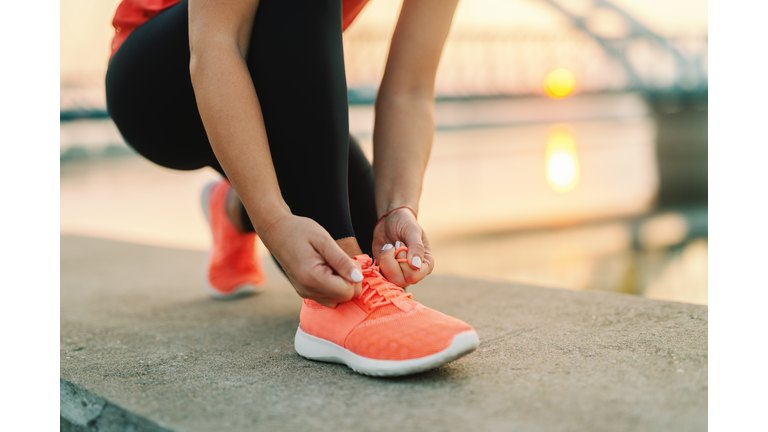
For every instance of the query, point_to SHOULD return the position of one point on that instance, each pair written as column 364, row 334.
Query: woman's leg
column 297, row 65
column 362, row 203
column 296, row 62
column 150, row 95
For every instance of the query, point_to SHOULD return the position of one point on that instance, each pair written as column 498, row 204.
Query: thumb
column 340, row 262
column 416, row 248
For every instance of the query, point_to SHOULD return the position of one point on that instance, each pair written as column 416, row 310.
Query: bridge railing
column 515, row 62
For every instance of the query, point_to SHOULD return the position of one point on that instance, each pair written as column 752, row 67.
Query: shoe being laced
column 232, row 268
column 378, row 291
column 382, row 332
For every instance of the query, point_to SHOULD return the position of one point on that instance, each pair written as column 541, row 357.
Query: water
column 602, row 256
column 516, row 190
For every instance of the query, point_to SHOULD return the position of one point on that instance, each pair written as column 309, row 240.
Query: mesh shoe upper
column 415, row 334
column 383, row 323
column 233, row 261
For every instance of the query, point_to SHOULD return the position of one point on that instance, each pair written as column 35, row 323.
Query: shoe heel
column 316, row 349
column 204, row 198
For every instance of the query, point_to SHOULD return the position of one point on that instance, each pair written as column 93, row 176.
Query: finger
column 341, row 285
column 415, row 276
column 415, row 267
column 358, row 289
column 401, row 256
column 327, row 303
column 339, row 261
column 305, row 290
column 329, row 287
column 390, row 268
column 429, row 259
column 377, row 248
column 416, row 249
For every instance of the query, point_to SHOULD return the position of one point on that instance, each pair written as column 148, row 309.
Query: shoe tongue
column 364, row 260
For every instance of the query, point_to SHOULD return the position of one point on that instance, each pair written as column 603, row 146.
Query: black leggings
column 296, row 63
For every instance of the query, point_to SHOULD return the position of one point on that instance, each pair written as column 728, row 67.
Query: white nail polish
column 387, row 247
column 397, row 244
column 416, row 261
column 356, row 276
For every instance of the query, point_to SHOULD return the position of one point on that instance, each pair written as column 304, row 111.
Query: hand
column 401, row 225
column 316, row 266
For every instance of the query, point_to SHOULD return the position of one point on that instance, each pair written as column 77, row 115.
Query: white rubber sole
column 318, row 349
column 240, row 291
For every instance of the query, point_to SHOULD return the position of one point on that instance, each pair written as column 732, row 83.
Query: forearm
column 402, row 136
column 230, row 110
column 402, row 139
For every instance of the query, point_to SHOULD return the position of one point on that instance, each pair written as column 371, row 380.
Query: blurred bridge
column 605, row 47
column 649, row 61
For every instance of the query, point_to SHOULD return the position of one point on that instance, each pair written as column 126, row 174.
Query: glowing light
column 559, row 83
column 562, row 162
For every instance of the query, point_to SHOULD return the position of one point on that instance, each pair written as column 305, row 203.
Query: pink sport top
column 132, row 13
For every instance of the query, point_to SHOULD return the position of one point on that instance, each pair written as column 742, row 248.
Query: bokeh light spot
column 559, row 83
column 562, row 162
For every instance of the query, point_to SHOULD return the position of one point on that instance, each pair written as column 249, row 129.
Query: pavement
column 144, row 348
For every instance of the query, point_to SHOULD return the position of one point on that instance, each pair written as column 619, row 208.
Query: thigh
column 150, row 95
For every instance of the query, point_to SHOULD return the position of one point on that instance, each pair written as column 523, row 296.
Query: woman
column 256, row 89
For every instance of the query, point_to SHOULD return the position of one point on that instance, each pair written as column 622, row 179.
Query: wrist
column 267, row 216
column 392, row 205
column 407, row 209
column 411, row 208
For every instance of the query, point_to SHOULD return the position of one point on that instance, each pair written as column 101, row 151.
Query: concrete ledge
column 138, row 330
column 81, row 410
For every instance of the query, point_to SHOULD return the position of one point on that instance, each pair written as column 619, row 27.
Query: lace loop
column 377, row 290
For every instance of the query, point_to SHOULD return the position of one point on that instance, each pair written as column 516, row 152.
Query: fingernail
column 397, row 245
column 387, row 247
column 356, row 276
column 416, row 261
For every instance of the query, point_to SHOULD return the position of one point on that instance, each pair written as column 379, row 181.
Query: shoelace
column 374, row 283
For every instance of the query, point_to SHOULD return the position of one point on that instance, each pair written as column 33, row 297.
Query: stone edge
column 82, row 410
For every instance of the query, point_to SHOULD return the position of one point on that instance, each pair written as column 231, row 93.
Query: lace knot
column 377, row 290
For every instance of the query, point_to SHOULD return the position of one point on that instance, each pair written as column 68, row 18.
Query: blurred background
column 570, row 150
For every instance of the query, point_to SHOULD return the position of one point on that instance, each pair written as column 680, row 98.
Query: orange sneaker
column 383, row 332
column 232, row 268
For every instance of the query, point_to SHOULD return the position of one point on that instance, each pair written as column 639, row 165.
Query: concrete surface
column 82, row 410
column 139, row 332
